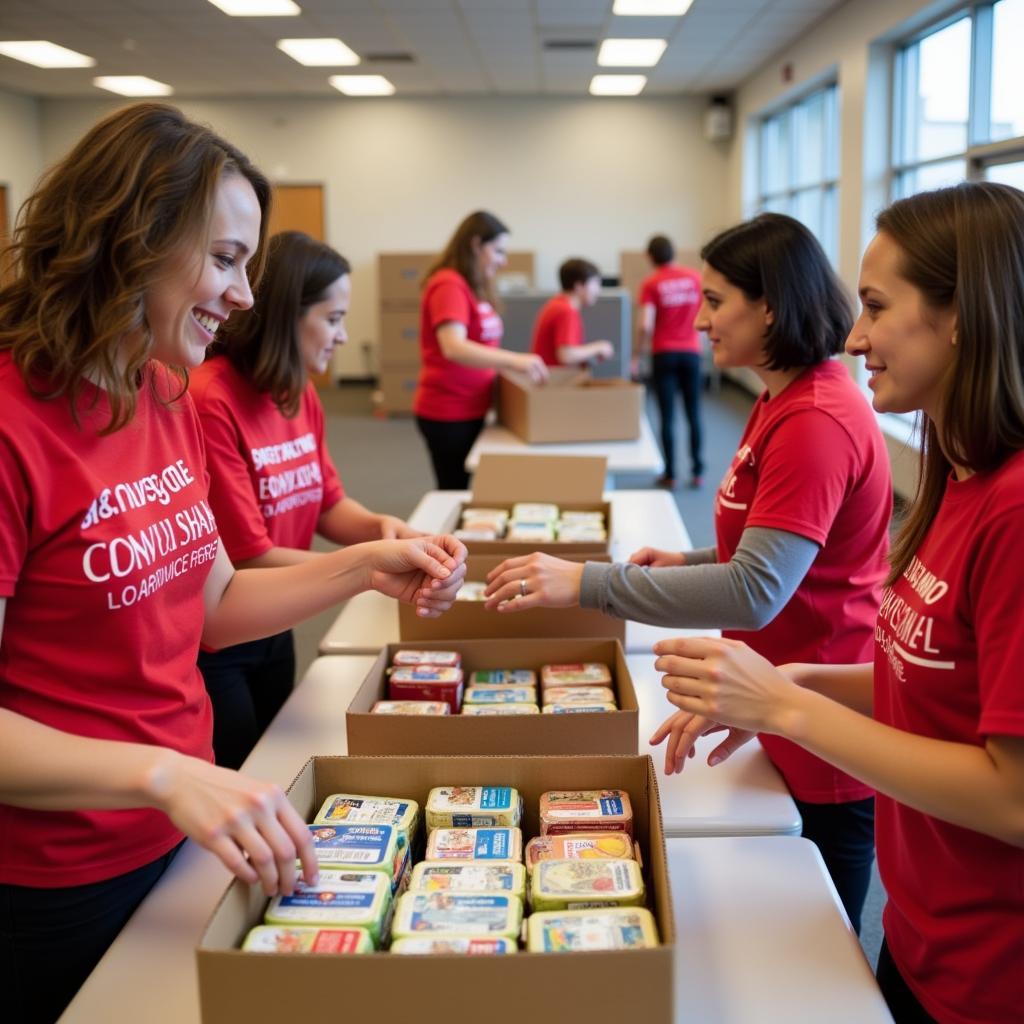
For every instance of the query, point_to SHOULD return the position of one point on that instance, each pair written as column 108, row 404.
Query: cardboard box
column 543, row 988
column 572, row 482
column 470, row 619
column 611, row 732
column 398, row 388
column 571, row 406
column 400, row 275
column 399, row 341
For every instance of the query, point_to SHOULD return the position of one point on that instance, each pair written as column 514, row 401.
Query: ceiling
column 458, row 46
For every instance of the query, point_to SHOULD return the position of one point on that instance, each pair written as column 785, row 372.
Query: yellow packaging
column 577, row 709
column 570, row 931
column 579, row 695
column 582, row 846
column 574, row 884
column 467, row 945
column 588, row 673
column 266, row 938
column 469, row 876
column 473, row 807
column 340, row 899
column 458, row 913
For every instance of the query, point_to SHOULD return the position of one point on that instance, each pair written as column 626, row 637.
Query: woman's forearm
column 850, row 685
column 349, row 522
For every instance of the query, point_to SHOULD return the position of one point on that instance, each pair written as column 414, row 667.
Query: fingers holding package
column 533, row 581
column 724, row 680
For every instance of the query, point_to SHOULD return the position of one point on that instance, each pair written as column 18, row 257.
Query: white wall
column 20, row 152
column 571, row 177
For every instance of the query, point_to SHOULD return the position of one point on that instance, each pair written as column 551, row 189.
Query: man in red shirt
column 669, row 300
column 558, row 334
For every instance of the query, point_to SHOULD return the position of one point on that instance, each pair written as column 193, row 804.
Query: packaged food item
column 265, row 938
column 374, row 847
column 530, row 532
column 534, row 512
column 410, row 707
column 457, row 913
column 427, row 682
column 471, row 945
column 577, row 709
column 501, row 695
column 472, row 590
column 488, row 524
column 579, row 695
column 478, row 533
column 580, row 532
column 592, row 810
column 470, row 876
column 595, row 518
column 579, row 846
column 355, row 809
column 486, row 844
column 570, row 931
column 340, row 899
column 453, row 659
column 498, row 515
column 589, row 673
column 574, row 884
column 472, row 807
column 503, row 677
column 500, row 709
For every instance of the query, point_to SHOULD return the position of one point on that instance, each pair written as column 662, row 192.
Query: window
column 959, row 100
column 798, row 164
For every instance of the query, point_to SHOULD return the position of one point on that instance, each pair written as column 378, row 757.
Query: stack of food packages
column 581, row 884
column 431, row 683
column 532, row 522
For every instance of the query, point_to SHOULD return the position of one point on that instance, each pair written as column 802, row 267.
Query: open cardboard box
column 471, row 619
column 572, row 482
column 607, row 732
column 571, row 406
column 543, row 988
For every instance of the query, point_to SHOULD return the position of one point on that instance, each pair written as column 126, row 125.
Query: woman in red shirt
column 128, row 258
column 936, row 724
column 273, row 486
column 460, row 335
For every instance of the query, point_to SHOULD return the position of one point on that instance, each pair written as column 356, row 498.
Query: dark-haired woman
column 460, row 338
column 936, row 723
column 128, row 258
column 273, row 486
column 801, row 518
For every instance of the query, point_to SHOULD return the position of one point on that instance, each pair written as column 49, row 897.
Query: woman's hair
column 137, row 191
column 775, row 258
column 962, row 248
column 262, row 342
column 661, row 250
column 459, row 255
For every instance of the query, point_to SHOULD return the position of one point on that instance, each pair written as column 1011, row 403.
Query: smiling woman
column 126, row 261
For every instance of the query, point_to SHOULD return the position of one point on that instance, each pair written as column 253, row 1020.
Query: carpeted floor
column 383, row 464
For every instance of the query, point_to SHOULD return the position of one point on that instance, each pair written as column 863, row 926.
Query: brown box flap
column 562, row 479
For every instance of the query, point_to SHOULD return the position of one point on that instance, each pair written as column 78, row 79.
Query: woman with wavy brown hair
column 128, row 258
column 936, row 724
column 273, row 485
column 460, row 344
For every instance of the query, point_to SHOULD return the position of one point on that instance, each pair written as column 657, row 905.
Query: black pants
column 449, row 443
column 672, row 371
column 51, row 939
column 845, row 836
column 247, row 685
column 902, row 1003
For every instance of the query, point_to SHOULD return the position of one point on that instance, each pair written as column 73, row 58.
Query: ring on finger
column 522, row 588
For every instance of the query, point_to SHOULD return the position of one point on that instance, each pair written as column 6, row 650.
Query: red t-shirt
column 674, row 292
column 812, row 462
column 447, row 390
column 948, row 666
column 271, row 478
column 559, row 325
column 105, row 545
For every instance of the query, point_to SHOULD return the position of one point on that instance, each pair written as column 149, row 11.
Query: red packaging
column 427, row 683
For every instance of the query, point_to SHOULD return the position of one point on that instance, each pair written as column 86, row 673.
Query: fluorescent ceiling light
column 362, row 85
column 258, row 8
column 652, row 8
column 132, row 85
column 631, row 53
column 319, row 53
column 45, row 54
column 617, row 85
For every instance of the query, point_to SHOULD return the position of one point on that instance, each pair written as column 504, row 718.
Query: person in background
column 460, row 338
column 669, row 300
column 273, row 486
column 558, row 333
column 936, row 723
column 126, row 261
column 801, row 516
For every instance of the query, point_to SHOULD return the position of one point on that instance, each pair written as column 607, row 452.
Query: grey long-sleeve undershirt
column 746, row 592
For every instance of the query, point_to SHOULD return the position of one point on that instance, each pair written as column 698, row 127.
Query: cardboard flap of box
column 561, row 479
column 546, row 988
